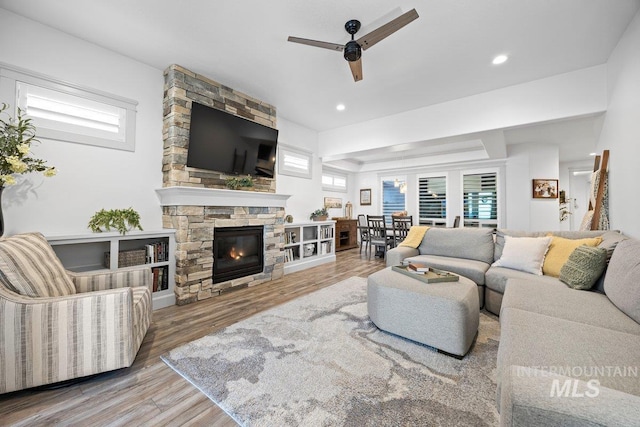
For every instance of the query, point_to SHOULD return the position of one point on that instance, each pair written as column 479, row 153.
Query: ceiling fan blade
column 356, row 69
column 316, row 43
column 387, row 29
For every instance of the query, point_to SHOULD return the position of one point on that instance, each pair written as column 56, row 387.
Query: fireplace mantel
column 195, row 196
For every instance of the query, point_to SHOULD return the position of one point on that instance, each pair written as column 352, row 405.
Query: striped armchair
column 56, row 325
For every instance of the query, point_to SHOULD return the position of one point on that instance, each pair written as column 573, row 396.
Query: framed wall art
column 332, row 203
column 545, row 188
column 365, row 197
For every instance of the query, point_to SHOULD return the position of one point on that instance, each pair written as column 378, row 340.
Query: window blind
column 432, row 198
column 480, row 196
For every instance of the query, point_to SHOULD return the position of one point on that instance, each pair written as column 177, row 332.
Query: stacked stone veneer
column 195, row 224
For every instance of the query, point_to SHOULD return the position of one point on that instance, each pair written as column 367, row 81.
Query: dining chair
column 378, row 236
column 456, row 222
column 363, row 229
column 401, row 226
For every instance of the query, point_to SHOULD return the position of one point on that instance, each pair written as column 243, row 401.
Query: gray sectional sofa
column 566, row 357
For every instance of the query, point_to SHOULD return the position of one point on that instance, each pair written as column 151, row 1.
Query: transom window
column 294, row 161
column 70, row 113
column 334, row 181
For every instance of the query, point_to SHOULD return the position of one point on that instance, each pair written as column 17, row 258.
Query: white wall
column 306, row 194
column 621, row 131
column 89, row 178
column 526, row 162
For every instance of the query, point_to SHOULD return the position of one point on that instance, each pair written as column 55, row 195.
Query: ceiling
column 443, row 55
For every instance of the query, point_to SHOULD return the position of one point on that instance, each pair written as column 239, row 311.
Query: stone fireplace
column 196, row 202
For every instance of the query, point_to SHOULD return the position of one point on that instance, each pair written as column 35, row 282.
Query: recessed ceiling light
column 340, row 107
column 500, row 59
column 592, row 154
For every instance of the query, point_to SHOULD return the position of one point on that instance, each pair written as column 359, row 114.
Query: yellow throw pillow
column 560, row 250
column 414, row 236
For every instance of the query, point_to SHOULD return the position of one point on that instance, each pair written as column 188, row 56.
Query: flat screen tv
column 229, row 144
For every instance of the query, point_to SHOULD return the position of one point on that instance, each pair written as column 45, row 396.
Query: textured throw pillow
column 28, row 266
column 524, row 254
column 559, row 251
column 584, row 267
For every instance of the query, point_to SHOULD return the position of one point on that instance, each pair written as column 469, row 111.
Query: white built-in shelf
column 87, row 253
column 308, row 244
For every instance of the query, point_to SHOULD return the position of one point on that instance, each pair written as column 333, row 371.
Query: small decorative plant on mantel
column 319, row 214
column 236, row 182
column 122, row 220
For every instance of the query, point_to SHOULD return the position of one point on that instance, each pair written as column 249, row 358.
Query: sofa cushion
column 622, row 281
column 610, row 240
column 467, row 243
column 524, row 254
column 557, row 300
column 496, row 278
column 468, row 268
column 582, row 351
column 501, row 233
column 30, row 267
column 559, row 251
column 584, row 267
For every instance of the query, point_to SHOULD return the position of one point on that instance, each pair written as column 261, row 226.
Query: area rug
column 320, row 361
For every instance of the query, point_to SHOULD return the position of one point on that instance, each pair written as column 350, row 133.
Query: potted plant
column 319, row 214
column 120, row 219
column 16, row 137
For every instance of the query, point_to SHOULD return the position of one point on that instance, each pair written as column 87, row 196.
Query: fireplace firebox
column 237, row 252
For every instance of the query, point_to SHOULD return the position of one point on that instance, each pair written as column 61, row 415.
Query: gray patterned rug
column 319, row 361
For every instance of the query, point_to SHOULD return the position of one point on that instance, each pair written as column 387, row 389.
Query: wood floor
column 149, row 392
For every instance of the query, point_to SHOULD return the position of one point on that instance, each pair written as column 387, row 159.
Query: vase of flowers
column 16, row 137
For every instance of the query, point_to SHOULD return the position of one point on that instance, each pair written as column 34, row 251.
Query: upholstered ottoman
column 441, row 315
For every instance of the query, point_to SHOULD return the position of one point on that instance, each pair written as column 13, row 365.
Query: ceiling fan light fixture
column 352, row 51
column 500, row 59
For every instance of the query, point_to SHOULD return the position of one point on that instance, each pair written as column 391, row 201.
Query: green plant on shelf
column 236, row 182
column 319, row 214
column 122, row 220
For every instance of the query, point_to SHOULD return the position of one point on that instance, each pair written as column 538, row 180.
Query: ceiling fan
column 353, row 49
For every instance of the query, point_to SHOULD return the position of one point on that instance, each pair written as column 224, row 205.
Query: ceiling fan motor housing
column 352, row 51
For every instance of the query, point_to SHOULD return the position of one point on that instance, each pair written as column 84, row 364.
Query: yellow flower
column 50, row 172
column 7, row 179
column 23, row 148
column 17, row 165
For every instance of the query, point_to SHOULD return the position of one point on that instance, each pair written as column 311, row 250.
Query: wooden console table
column 346, row 234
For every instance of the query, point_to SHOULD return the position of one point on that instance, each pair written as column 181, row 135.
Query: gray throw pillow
column 584, row 267
column 622, row 281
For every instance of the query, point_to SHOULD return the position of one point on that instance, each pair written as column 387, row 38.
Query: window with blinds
column 392, row 199
column 70, row 113
column 294, row 162
column 480, row 197
column 432, row 198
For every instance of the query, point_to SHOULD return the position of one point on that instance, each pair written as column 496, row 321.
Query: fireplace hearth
column 237, row 252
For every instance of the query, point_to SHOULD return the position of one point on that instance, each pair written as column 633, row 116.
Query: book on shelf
column 157, row 252
column 160, row 278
